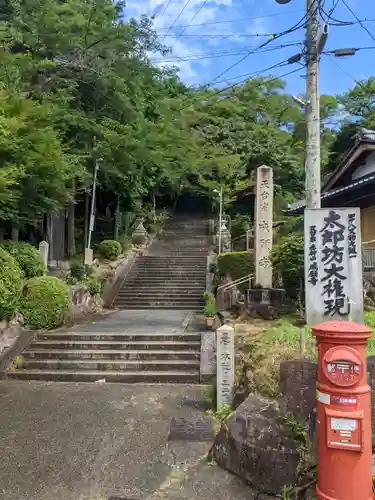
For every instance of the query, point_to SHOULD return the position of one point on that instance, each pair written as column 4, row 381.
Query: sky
column 208, row 38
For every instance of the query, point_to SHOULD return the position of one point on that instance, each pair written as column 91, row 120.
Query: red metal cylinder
column 344, row 439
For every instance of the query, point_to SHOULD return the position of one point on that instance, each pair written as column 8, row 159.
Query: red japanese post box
column 344, row 440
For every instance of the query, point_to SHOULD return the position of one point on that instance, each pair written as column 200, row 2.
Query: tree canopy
column 77, row 88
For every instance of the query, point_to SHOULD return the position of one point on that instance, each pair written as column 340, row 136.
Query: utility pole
column 315, row 41
column 312, row 157
column 92, row 211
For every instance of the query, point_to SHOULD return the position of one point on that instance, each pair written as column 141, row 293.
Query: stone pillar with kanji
column 264, row 227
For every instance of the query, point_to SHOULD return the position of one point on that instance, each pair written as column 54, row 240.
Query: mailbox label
column 344, row 401
column 323, row 398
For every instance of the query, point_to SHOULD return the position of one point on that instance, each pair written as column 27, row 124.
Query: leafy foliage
column 288, row 259
column 236, row 265
column 11, row 281
column 45, row 302
column 28, row 257
column 110, row 249
column 210, row 309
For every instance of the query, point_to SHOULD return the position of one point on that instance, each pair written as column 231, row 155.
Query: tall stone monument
column 263, row 226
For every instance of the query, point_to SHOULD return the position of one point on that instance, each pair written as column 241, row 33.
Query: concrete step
column 173, row 377
column 160, row 307
column 156, row 286
column 130, row 345
column 164, row 294
column 110, row 364
column 143, row 304
column 121, row 336
column 99, row 354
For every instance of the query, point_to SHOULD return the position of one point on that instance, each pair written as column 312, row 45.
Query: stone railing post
column 225, row 362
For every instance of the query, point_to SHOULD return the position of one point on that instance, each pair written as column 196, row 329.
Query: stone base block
column 254, row 444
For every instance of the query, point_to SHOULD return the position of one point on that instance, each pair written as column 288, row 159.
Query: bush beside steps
column 45, row 303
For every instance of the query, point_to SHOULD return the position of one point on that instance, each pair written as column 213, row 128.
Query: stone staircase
column 113, row 357
column 173, row 274
column 144, row 344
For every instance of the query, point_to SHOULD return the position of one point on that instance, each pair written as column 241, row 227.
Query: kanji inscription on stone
column 264, row 226
column 333, row 265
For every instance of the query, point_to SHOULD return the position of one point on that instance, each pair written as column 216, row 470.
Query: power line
column 239, row 19
column 177, row 18
column 345, row 72
column 290, row 30
column 194, row 16
column 251, row 75
column 165, row 8
column 221, row 35
column 358, row 20
column 221, row 53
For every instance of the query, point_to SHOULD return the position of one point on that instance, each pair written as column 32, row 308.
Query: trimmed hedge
column 11, row 281
column 28, row 257
column 236, row 265
column 45, row 302
column 109, row 249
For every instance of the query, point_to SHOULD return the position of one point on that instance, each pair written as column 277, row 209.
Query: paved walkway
column 138, row 321
column 66, row 441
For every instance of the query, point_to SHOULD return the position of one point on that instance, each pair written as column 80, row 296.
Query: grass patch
column 263, row 345
column 262, row 350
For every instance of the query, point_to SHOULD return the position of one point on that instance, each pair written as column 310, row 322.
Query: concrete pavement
column 67, row 441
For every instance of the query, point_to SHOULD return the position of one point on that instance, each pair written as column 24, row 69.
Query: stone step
column 122, row 303
column 130, row 345
column 166, row 285
column 110, row 364
column 147, row 354
column 160, row 295
column 160, row 307
column 175, row 377
column 121, row 336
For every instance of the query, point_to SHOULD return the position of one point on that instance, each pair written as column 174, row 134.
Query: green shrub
column 288, row 258
column 11, row 281
column 239, row 225
column 28, row 257
column 94, row 286
column 45, row 302
column 109, row 249
column 209, row 305
column 139, row 239
column 77, row 270
column 236, row 265
column 125, row 242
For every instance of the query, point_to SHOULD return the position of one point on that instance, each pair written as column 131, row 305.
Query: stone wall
column 83, row 303
column 298, row 387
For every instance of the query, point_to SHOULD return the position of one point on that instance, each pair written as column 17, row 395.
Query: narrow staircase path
column 146, row 340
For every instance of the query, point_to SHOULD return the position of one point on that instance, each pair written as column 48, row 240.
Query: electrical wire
column 239, row 19
column 233, row 52
column 165, row 8
column 192, row 19
column 222, row 35
column 296, row 27
column 358, row 20
column 345, row 72
column 252, row 75
column 177, row 18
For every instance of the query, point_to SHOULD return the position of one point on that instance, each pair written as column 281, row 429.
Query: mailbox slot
column 344, row 429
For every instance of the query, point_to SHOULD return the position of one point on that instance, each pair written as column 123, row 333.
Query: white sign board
column 333, row 265
column 225, row 365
